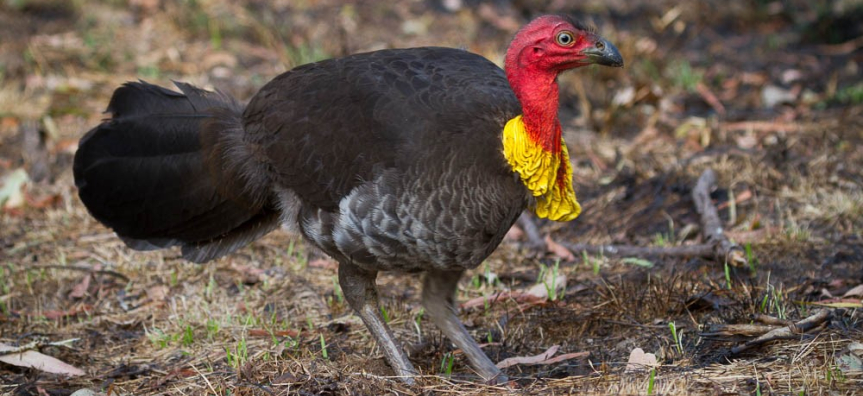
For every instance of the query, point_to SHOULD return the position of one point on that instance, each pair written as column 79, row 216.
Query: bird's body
column 404, row 168
column 404, row 159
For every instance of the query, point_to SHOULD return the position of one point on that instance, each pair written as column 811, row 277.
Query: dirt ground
column 768, row 94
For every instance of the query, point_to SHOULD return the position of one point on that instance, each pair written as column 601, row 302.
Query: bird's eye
column 565, row 38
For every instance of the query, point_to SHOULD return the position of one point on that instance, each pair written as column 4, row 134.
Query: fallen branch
column 34, row 345
column 770, row 320
column 791, row 331
column 723, row 248
column 531, row 231
column 21, row 348
column 710, row 98
column 717, row 244
column 842, row 48
column 703, row 250
column 541, row 359
column 749, row 330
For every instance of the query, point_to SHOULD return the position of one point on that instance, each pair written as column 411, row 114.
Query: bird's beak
column 603, row 53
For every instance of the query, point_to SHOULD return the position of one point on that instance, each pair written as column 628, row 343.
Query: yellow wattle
column 539, row 171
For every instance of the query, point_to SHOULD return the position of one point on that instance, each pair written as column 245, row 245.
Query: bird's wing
column 324, row 128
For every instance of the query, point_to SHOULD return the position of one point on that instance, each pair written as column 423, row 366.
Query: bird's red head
column 541, row 50
column 551, row 44
column 532, row 142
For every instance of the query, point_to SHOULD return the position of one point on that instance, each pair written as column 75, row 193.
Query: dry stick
column 749, row 330
column 724, row 249
column 790, row 331
column 717, row 244
column 627, row 250
column 22, row 348
column 770, row 320
column 534, row 237
column 35, row 345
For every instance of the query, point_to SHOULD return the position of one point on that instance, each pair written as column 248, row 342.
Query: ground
column 766, row 93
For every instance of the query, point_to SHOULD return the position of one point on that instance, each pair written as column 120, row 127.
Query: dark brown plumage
column 389, row 160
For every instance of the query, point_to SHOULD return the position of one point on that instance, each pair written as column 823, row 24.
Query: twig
column 635, row 324
column 770, row 320
column 703, row 250
column 750, row 330
column 791, row 331
column 35, row 345
column 724, row 249
column 23, row 348
column 760, row 126
column 710, row 98
column 842, row 48
column 531, row 231
column 204, row 377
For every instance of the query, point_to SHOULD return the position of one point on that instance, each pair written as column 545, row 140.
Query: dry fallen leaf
column 542, row 358
column 43, row 201
column 37, row 361
column 566, row 356
column 558, row 249
column 710, row 98
column 482, row 300
column 324, row 263
column 12, row 189
column 855, row 291
column 513, row 234
column 838, row 303
column 157, row 293
column 851, row 361
column 80, row 289
column 537, row 294
column 743, row 196
column 87, row 392
column 638, row 360
column 551, row 283
column 856, row 348
column 535, row 359
column 58, row 314
column 250, row 274
column 520, row 297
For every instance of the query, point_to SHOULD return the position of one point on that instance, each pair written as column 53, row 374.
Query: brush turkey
column 395, row 160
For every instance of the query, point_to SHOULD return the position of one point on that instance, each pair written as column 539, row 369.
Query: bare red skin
column 533, row 61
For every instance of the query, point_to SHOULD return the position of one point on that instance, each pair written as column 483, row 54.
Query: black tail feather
column 146, row 173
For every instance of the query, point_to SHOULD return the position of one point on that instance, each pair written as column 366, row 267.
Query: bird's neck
column 539, row 96
column 534, row 148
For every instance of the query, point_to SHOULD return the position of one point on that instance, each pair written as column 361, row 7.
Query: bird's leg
column 358, row 286
column 438, row 294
